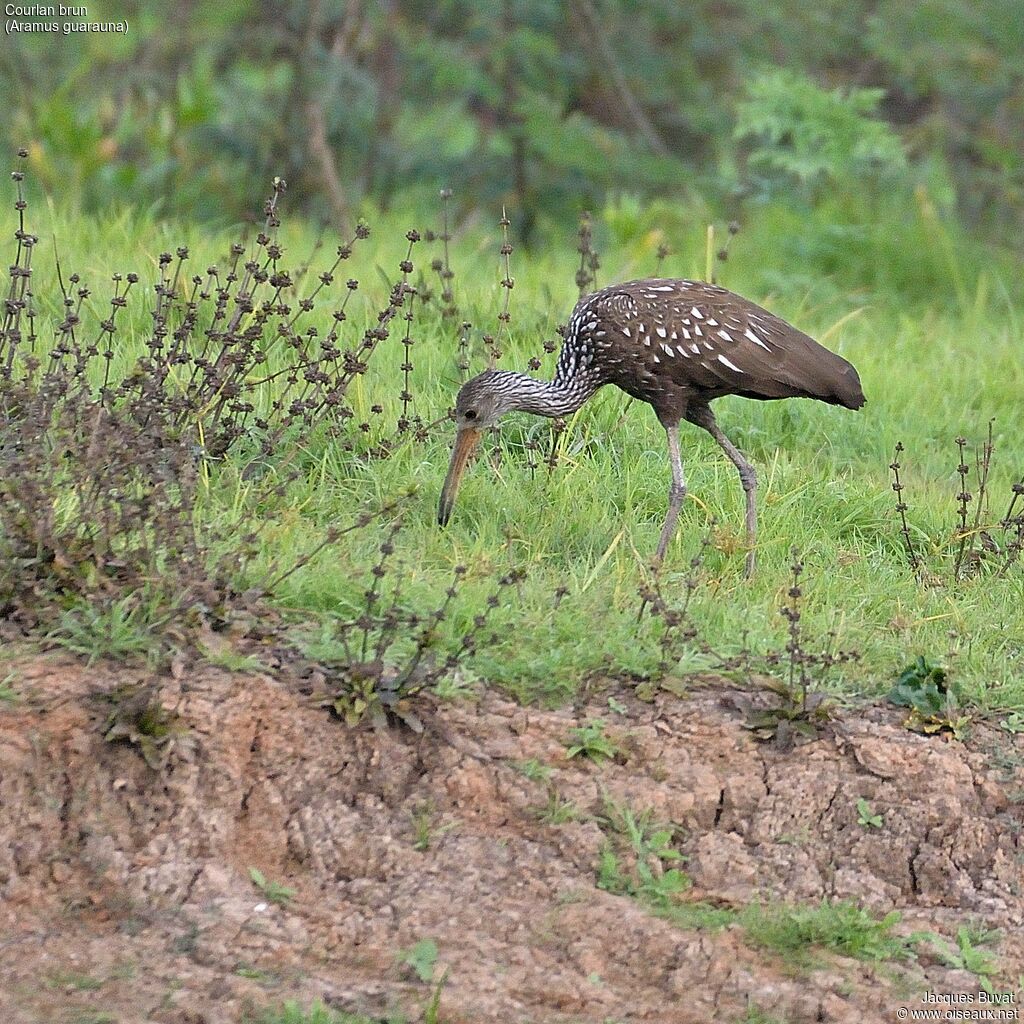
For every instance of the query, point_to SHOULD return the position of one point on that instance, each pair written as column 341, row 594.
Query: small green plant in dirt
column 636, row 857
column 866, row 817
column 534, row 770
column 617, row 707
column 273, row 891
column 140, row 719
column 934, row 701
column 794, row 932
column 755, row 1015
column 8, row 695
column 970, row 953
column 420, row 958
column 589, row 740
column 635, row 862
column 1013, row 723
column 803, row 705
column 123, row 629
column 557, row 809
column 268, row 979
column 291, row 1012
column 432, row 1009
column 74, row 980
column 425, row 827
column 458, row 686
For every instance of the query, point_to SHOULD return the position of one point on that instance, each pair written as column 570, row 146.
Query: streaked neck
column 558, row 397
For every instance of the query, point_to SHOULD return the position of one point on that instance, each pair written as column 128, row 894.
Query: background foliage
column 543, row 105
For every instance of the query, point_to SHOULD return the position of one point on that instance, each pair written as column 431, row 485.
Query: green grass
column 74, row 980
column 795, row 932
column 291, row 1012
column 274, row 891
column 943, row 363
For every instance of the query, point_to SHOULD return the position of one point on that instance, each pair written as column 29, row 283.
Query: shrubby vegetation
column 546, row 106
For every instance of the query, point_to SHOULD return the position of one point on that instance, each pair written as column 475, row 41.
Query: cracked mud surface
column 125, row 890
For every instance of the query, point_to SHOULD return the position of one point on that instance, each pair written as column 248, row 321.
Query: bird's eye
column 470, row 414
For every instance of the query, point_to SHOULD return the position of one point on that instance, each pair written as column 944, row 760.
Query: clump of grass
column 590, row 740
column 557, row 809
column 970, row 953
column 291, row 1012
column 842, row 927
column 639, row 859
column 273, row 891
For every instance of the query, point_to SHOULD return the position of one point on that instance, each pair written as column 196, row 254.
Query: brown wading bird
column 676, row 345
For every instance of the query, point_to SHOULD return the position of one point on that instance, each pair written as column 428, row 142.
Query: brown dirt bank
column 125, row 890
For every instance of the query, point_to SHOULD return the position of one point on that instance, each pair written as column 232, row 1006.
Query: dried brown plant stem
column 901, row 509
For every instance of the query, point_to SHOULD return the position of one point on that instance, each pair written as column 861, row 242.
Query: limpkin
column 676, row 345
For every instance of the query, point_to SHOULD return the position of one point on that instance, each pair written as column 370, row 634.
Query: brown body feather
column 676, row 343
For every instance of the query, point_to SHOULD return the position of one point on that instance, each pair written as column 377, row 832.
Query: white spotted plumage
column 707, row 342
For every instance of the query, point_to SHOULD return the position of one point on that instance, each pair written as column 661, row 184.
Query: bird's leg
column 702, row 416
column 676, row 493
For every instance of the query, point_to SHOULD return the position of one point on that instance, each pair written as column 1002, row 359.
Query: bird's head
column 481, row 402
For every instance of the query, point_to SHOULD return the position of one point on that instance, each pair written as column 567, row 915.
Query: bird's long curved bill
column 465, row 443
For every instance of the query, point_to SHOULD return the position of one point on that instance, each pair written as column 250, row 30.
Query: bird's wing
column 703, row 336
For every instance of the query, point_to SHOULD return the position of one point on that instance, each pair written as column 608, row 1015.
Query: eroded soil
column 126, row 890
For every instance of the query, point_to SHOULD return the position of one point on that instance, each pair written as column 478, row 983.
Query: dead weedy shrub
column 796, row 673
column 110, row 457
column 368, row 667
column 978, row 540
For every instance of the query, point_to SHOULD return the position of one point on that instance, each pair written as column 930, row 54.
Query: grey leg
column 676, row 492
column 704, row 417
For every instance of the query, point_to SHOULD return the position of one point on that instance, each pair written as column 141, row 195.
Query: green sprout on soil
column 140, row 719
column 640, row 867
column 557, row 810
column 273, row 891
column 420, row 958
column 1013, row 723
column 8, row 695
column 969, row 953
column 842, row 927
column 425, row 828
column 534, row 770
column 866, row 817
column 291, row 1012
column 934, row 701
column 589, row 740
